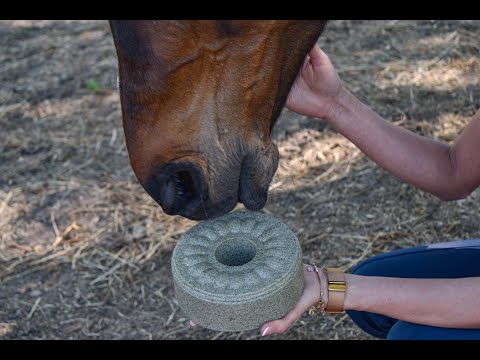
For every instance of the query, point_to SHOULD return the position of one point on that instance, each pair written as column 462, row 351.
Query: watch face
column 334, row 286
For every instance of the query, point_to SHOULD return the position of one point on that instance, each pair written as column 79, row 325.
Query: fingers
column 309, row 297
column 192, row 323
column 306, row 61
column 318, row 57
column 281, row 325
column 315, row 52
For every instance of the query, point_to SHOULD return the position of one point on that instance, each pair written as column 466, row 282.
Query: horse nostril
column 167, row 194
column 185, row 190
column 178, row 191
column 180, row 188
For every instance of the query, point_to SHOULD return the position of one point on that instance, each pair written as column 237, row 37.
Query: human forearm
column 436, row 302
column 420, row 161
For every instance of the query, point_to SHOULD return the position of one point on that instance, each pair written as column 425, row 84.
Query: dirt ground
column 85, row 252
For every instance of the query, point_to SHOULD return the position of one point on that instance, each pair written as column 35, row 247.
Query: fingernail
column 266, row 331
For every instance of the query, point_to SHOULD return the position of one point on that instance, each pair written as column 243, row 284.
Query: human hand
column 309, row 297
column 316, row 87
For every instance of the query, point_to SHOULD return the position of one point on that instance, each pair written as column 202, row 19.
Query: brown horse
column 199, row 100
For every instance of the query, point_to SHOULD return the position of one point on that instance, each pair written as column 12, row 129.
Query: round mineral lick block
column 237, row 271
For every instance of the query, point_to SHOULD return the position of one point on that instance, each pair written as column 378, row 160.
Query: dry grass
column 85, row 253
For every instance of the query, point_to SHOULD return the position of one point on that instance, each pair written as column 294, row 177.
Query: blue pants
column 453, row 259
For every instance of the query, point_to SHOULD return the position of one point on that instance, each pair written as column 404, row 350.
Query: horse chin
column 254, row 200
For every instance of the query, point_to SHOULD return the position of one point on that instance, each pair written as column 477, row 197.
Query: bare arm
column 452, row 303
column 449, row 172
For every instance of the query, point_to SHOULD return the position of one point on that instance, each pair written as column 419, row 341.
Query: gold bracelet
column 320, row 305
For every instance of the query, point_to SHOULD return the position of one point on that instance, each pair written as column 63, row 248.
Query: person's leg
column 452, row 259
column 403, row 330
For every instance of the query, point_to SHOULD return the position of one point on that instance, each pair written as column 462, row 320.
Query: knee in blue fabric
column 403, row 330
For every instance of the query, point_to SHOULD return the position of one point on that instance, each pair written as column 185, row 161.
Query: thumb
column 281, row 325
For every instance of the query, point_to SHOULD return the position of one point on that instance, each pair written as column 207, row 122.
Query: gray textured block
column 237, row 271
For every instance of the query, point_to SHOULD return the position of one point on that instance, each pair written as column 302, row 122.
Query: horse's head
column 199, row 99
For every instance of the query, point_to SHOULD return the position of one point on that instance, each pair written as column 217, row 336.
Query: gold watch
column 336, row 290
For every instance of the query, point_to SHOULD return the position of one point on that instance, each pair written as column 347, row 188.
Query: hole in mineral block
column 235, row 252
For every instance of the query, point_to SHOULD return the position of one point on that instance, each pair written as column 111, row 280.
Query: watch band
column 336, row 290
